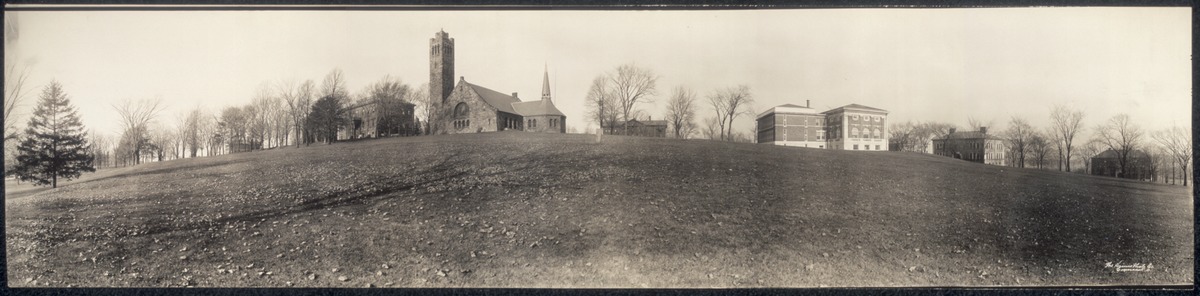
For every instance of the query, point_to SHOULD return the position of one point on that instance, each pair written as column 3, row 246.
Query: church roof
column 534, row 108
column 497, row 100
column 510, row 104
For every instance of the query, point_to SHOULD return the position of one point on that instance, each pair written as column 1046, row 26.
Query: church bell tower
column 441, row 77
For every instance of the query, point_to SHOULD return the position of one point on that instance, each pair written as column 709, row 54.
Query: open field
column 542, row 210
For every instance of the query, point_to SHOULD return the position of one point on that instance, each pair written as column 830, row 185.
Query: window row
column 462, row 123
column 867, row 147
column 866, row 133
column 875, row 118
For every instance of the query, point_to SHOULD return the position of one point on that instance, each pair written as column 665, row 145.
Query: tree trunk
column 1184, row 171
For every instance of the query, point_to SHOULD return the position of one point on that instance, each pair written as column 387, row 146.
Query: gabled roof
column 534, row 108
column 500, row 101
column 1113, row 154
column 855, row 106
column 792, row 105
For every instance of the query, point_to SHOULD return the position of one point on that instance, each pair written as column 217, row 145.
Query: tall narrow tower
column 441, row 77
column 545, row 84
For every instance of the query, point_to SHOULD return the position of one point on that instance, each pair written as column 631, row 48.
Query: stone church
column 463, row 107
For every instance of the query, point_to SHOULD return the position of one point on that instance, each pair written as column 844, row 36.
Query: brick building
column 850, row 127
column 1108, row 163
column 856, row 127
column 373, row 119
column 791, row 125
column 976, row 146
column 464, row 107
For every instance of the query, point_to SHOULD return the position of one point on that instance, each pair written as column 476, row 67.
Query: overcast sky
column 919, row 64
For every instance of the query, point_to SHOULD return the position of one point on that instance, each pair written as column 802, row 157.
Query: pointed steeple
column 545, row 83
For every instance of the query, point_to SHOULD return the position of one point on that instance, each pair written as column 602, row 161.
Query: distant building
column 1108, row 163
column 641, row 128
column 856, row 127
column 373, row 119
column 791, row 125
column 850, row 127
column 975, row 146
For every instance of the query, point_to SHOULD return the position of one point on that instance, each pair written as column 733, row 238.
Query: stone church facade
column 463, row 107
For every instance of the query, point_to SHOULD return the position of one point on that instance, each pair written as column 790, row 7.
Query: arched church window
column 461, row 110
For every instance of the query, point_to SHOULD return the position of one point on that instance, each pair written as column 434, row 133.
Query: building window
column 461, row 110
column 876, row 147
column 878, row 134
column 854, row 133
column 855, row 146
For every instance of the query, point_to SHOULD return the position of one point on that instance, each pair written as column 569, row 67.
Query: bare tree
column 681, row 112
column 1065, row 125
column 923, row 133
column 191, row 128
column 712, row 128
column 262, row 114
column 1039, row 147
column 210, row 129
column 720, row 106
column 160, row 141
column 601, row 103
column 1122, row 136
column 14, row 93
column 99, row 148
column 135, row 118
column 423, row 108
column 299, row 103
column 1019, row 134
column 631, row 85
column 1087, row 151
column 334, row 85
column 1176, row 143
column 737, row 101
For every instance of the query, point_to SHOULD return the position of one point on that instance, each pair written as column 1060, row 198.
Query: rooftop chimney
column 808, row 103
column 952, row 130
column 983, row 129
column 514, row 94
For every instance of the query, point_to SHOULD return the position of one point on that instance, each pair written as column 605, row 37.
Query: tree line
column 55, row 144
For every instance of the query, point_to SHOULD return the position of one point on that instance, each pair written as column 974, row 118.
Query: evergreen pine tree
column 55, row 143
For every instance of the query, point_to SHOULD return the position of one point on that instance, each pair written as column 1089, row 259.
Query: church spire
column 545, row 83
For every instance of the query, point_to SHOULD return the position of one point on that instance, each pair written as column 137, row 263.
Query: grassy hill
column 539, row 210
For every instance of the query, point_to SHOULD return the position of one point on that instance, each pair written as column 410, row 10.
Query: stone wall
column 481, row 117
column 543, row 124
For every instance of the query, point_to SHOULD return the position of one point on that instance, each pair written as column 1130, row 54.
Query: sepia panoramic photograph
column 679, row 148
